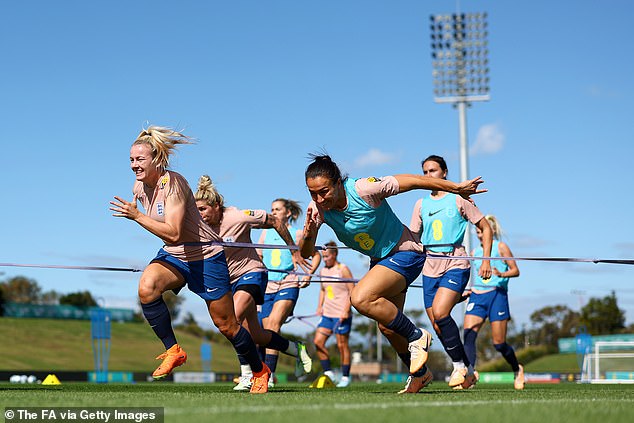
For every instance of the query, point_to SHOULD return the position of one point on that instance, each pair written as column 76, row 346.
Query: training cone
column 322, row 382
column 51, row 380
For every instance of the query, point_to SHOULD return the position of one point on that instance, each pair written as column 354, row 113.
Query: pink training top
column 336, row 294
column 435, row 267
column 289, row 281
column 236, row 226
column 174, row 187
column 374, row 193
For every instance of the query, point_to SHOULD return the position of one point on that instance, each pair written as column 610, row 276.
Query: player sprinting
column 247, row 272
column 358, row 213
column 282, row 289
column 188, row 256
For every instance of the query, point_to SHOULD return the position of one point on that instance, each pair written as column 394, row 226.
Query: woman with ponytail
column 191, row 255
column 489, row 299
column 247, row 273
column 358, row 213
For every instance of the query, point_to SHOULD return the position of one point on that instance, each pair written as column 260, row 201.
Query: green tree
column 78, row 299
column 1, row 301
column 602, row 316
column 50, row 298
column 191, row 326
column 551, row 323
column 20, row 289
column 174, row 303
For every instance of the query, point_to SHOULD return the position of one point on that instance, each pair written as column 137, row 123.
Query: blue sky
column 261, row 84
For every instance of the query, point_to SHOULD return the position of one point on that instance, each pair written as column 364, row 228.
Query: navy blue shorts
column 254, row 283
column 291, row 294
column 336, row 325
column 454, row 279
column 209, row 278
column 407, row 263
column 493, row 305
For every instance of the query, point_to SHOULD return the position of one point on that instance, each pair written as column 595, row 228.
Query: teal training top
column 371, row 231
column 494, row 281
column 278, row 259
column 443, row 224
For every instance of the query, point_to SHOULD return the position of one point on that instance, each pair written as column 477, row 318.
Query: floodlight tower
column 460, row 71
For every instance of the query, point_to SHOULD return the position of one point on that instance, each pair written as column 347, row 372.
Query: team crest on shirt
column 164, row 180
column 249, row 212
column 374, row 179
column 160, row 209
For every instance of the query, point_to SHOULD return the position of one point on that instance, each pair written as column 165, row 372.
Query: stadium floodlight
column 460, row 69
column 460, row 57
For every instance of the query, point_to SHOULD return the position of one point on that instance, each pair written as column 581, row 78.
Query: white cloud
column 375, row 157
column 489, row 140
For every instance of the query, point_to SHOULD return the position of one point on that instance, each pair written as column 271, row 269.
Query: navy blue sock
column 277, row 342
column 158, row 316
column 262, row 352
column 470, row 336
column 243, row 361
column 325, row 364
column 509, row 355
column 345, row 370
column 404, row 327
column 271, row 361
column 451, row 340
column 406, row 358
column 245, row 348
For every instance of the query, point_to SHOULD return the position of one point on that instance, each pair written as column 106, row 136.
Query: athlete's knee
column 148, row 292
column 502, row 348
column 440, row 313
column 227, row 325
column 321, row 346
column 341, row 344
column 362, row 302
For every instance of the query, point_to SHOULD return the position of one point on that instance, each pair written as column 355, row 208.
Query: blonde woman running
column 247, row 272
column 489, row 299
column 188, row 256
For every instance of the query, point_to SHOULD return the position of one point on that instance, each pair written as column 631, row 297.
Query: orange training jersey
column 174, row 187
column 289, row 281
column 236, row 226
column 336, row 293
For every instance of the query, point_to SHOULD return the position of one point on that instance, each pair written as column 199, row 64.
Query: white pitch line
column 383, row 406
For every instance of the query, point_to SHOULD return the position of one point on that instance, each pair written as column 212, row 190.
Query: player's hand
column 304, row 282
column 310, row 226
column 123, row 208
column 485, row 270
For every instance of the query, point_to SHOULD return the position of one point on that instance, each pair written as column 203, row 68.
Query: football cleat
column 419, row 350
column 303, row 362
column 416, row 383
column 172, row 358
column 344, row 382
column 260, row 380
column 244, row 383
column 519, row 379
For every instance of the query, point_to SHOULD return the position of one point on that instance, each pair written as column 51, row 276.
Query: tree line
column 600, row 316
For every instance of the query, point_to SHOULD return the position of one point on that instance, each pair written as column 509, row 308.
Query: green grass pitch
column 361, row 402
